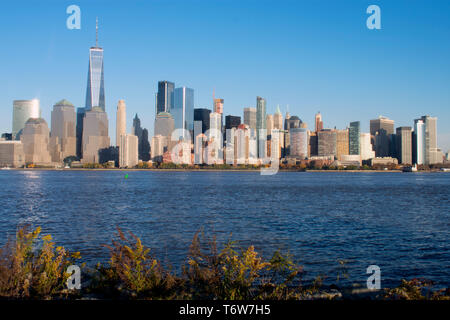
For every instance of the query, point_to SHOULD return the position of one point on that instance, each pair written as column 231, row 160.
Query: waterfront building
column 269, row 124
column 382, row 123
column 313, row 144
column 425, row 141
column 404, row 145
column 164, row 124
column 183, row 110
column 327, row 143
column 79, row 131
column 250, row 117
column 95, row 92
column 318, row 122
column 382, row 130
column 143, row 142
column 11, row 154
column 278, row 119
column 165, row 97
column 63, row 131
column 298, row 143
column 36, row 142
column 354, row 135
column 95, row 135
column 342, row 143
column 158, row 148
column 121, row 122
column 202, row 115
column 260, row 126
column 22, row 111
column 366, row 147
column 128, row 151
column 199, row 148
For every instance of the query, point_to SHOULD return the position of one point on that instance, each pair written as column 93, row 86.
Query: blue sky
column 310, row 55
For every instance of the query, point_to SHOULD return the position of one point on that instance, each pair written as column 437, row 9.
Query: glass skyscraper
column 95, row 93
column 354, row 136
column 164, row 97
column 261, row 125
column 183, row 110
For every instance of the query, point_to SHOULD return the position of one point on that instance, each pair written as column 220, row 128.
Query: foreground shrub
column 27, row 270
column 416, row 289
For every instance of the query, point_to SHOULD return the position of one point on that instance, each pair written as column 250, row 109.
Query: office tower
column 128, row 151
column 404, row 145
column 269, row 124
column 261, row 125
column 354, row 135
column 143, row 143
column 183, row 110
column 299, row 143
column 79, row 131
column 313, row 144
column 22, row 111
column 218, row 105
column 63, row 135
column 202, row 115
column 278, row 119
column 36, row 138
column 11, row 154
column 327, row 142
column 215, row 139
column 342, row 143
column 292, row 122
column 158, row 146
column 95, row 135
column 165, row 97
column 287, row 117
column 199, row 148
column 232, row 122
column 215, row 125
column 366, row 147
column 318, row 122
column 95, row 92
column 425, row 141
column 164, row 126
column 382, row 123
column 121, row 122
column 250, row 117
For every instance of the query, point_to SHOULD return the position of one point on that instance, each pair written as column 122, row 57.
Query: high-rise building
column 218, row 105
column 95, row 93
column 425, row 141
column 22, row 111
column 382, row 130
column 232, row 122
column 165, row 97
column 326, row 142
column 299, row 143
column 318, row 122
column 143, row 143
column 366, row 147
column 215, row 127
column 261, row 125
column 11, row 154
column 269, row 124
column 79, row 131
column 404, row 145
column 121, row 122
column 157, row 149
column 354, row 136
column 278, row 119
column 95, row 134
column 250, row 117
column 36, row 141
column 342, row 143
column 292, row 122
column 128, row 151
column 183, row 110
column 382, row 123
column 63, row 129
column 164, row 126
column 313, row 144
column 202, row 115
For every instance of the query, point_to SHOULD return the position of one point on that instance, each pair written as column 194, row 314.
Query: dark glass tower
column 165, row 98
column 354, row 133
column 202, row 115
column 95, row 93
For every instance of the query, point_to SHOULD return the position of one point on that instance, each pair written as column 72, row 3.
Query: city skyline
column 235, row 101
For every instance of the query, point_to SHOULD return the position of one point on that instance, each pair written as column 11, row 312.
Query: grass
column 33, row 267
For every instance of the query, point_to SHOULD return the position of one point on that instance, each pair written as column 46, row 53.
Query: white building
column 366, row 147
column 128, row 151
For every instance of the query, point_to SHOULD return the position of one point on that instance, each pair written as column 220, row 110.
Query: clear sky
column 310, row 55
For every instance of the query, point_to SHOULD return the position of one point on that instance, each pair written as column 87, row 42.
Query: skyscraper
column 354, row 136
column 165, row 96
column 121, row 122
column 22, row 111
column 382, row 123
column 79, row 131
column 232, row 122
column 36, row 141
column 404, row 145
column 318, row 122
column 250, row 117
column 164, row 126
column 298, row 143
column 143, row 143
column 63, row 128
column 183, row 111
column 366, row 147
column 95, row 93
column 382, row 130
column 261, row 125
column 95, row 134
column 202, row 115
column 425, row 141
column 342, row 143
column 278, row 119
column 326, row 142
column 128, row 151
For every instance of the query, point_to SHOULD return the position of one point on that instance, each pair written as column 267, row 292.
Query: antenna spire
column 96, row 32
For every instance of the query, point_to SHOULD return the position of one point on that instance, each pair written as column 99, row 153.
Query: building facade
column 250, row 117
column 354, row 135
column 165, row 97
column 36, row 142
column 128, row 151
column 121, row 121
column 183, row 110
column 95, row 135
column 404, row 145
column 22, row 111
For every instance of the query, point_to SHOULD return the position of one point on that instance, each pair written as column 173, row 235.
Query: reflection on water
column 397, row 221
